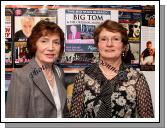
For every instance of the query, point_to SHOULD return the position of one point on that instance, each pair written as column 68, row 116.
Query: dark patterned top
column 127, row 95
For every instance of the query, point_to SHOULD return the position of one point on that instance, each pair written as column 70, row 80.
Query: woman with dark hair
column 37, row 89
column 111, row 89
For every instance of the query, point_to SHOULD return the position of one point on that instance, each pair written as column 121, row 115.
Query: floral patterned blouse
column 127, row 95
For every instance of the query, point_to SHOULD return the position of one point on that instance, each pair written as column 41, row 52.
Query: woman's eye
column 103, row 39
column 117, row 39
column 58, row 43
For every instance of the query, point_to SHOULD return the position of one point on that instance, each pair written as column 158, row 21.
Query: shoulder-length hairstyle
column 44, row 28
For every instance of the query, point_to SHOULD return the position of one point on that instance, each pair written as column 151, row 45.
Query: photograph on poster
column 148, row 55
column 148, row 16
column 147, row 50
column 21, row 53
column 132, row 23
column 74, row 32
column 87, row 31
column 26, row 25
column 134, row 30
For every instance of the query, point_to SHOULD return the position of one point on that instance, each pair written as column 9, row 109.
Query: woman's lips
column 50, row 55
column 110, row 50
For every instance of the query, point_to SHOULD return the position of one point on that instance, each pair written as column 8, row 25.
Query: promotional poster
column 148, row 16
column 8, row 38
column 131, row 21
column 79, row 27
column 147, row 53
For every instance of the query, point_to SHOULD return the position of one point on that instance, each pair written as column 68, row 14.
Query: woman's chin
column 50, row 61
column 109, row 57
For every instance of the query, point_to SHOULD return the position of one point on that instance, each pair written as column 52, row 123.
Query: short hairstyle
column 43, row 28
column 114, row 27
column 111, row 26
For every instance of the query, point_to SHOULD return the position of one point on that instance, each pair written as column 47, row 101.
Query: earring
column 123, row 54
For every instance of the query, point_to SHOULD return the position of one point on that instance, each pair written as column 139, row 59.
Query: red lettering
column 7, row 30
column 7, row 35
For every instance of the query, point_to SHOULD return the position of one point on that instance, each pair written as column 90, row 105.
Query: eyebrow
column 109, row 37
column 46, row 38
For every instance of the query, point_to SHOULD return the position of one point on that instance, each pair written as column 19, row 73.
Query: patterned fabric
column 144, row 98
column 126, row 95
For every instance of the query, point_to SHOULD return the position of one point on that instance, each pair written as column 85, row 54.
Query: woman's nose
column 110, row 42
column 50, row 46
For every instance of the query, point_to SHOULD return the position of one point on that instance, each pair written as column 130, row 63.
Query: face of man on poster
column 74, row 33
column 136, row 29
column 27, row 25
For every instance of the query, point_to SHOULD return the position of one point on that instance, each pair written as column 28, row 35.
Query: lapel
column 40, row 81
column 60, row 87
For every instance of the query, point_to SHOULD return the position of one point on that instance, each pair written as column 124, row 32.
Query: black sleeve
column 144, row 101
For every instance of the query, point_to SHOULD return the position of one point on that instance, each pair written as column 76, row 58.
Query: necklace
column 46, row 76
column 51, row 78
column 52, row 83
column 105, row 72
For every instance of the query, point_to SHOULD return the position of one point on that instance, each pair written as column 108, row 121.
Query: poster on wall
column 148, row 15
column 21, row 53
column 79, row 26
column 132, row 23
column 147, row 53
column 24, row 20
column 8, row 38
